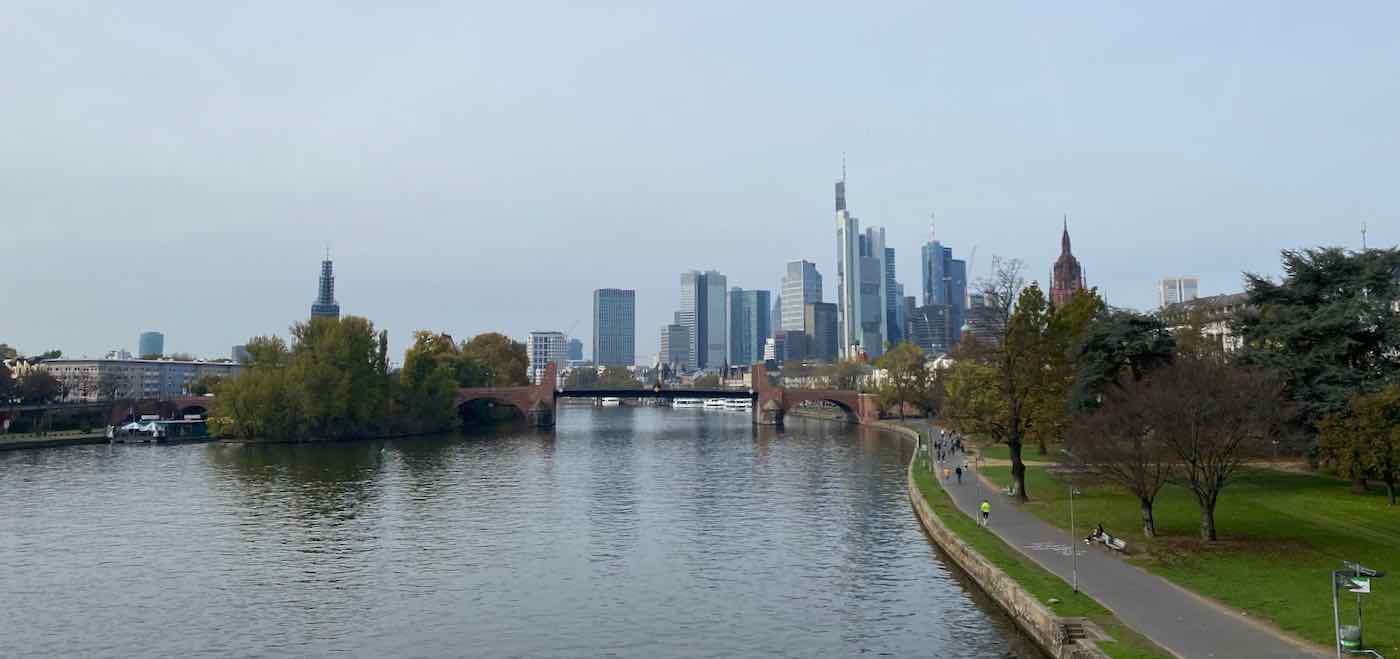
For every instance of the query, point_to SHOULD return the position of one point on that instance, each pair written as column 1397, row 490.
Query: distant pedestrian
column 946, row 473
column 958, row 471
column 986, row 511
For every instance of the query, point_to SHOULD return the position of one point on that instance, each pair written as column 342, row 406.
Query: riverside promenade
column 1179, row 621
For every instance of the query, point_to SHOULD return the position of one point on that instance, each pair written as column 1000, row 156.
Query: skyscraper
column 945, row 284
column 575, row 350
column 775, row 320
column 802, row 285
column 892, row 296
column 326, row 304
column 675, row 346
column 1178, row 289
column 703, row 313
column 860, row 276
column 545, row 347
column 1067, row 275
column 614, row 327
column 150, row 344
column 748, row 325
column 820, row 323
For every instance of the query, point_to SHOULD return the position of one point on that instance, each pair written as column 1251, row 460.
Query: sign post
column 1356, row 578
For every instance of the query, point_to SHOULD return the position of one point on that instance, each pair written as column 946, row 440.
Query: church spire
column 1064, row 237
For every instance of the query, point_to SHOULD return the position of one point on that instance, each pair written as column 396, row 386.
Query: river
column 625, row 532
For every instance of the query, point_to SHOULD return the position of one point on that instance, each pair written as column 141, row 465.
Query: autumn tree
column 1048, row 402
column 906, row 378
column 494, row 360
column 1363, row 439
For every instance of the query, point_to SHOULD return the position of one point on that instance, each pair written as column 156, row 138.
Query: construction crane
column 972, row 269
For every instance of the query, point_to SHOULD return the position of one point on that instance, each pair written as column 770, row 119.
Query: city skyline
column 1000, row 122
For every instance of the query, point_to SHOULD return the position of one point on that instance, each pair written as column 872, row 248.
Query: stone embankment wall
column 1039, row 622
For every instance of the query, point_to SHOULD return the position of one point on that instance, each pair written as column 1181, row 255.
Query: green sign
column 1360, row 585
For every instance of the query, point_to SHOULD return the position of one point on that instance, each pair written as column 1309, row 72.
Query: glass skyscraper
column 802, row 285
column 703, row 313
column 614, row 327
column 325, row 304
column 749, row 326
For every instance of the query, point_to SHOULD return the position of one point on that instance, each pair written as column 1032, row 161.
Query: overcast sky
column 181, row 166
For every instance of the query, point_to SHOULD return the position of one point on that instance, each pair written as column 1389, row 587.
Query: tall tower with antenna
column 326, row 305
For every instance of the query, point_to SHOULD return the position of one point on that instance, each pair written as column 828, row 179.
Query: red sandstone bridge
column 771, row 403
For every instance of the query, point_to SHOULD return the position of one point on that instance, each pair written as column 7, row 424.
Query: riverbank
column 1279, row 530
column 51, row 439
column 1062, row 622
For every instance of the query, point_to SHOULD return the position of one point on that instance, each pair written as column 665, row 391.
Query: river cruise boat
column 687, row 402
column 738, row 404
column 610, row 401
column 714, row 403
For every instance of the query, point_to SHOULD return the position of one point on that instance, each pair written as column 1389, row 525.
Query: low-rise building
column 1212, row 314
column 91, row 380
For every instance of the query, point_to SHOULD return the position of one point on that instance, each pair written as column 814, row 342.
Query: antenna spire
column 1363, row 236
column 843, row 166
column 931, row 217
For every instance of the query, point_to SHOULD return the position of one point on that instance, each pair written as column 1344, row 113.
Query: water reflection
column 630, row 532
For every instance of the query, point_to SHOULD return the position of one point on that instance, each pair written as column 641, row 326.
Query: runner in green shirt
column 986, row 511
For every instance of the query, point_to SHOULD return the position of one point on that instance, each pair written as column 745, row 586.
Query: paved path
column 1175, row 619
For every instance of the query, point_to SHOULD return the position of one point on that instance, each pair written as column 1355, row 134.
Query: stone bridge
column 537, row 402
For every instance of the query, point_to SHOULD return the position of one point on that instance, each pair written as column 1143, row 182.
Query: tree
column 205, row 384
column 182, row 357
column 494, row 360
column 708, row 381
column 1115, row 343
column 108, row 386
column 618, row 377
column 906, row 378
column 39, row 387
column 52, row 354
column 581, row 378
column 1048, row 403
column 1364, row 438
column 1330, row 326
column 6, row 352
column 7, row 384
column 1116, row 442
column 847, row 374
column 1212, row 417
column 428, row 381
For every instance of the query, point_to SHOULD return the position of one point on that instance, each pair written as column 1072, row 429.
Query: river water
column 625, row 532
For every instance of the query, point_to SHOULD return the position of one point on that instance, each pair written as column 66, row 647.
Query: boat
column 738, row 404
column 171, row 430
column 687, row 402
column 714, row 403
column 611, row 401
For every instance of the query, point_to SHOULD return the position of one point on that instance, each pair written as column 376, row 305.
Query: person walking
column 986, row 511
column 958, row 471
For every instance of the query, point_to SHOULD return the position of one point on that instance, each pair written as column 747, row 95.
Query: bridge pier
column 768, row 413
column 540, row 416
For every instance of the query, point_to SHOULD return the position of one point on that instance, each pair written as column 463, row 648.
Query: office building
column 795, row 346
column 575, row 350
column 545, row 347
column 860, row 276
column 1177, row 289
column 775, row 321
column 675, row 346
column 150, row 344
column 1214, row 314
column 750, row 313
column 802, row 285
column 614, row 327
column 944, row 284
column 326, row 305
column 892, row 295
column 820, row 321
column 704, row 297
column 84, row 380
column 985, row 323
column 240, row 355
column 1067, row 277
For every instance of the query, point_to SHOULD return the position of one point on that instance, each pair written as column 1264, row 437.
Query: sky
column 475, row 167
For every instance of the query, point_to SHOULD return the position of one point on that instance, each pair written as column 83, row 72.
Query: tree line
column 334, row 381
column 1125, row 397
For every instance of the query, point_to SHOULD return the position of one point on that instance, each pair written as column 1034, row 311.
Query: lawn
column 1039, row 582
column 1280, row 535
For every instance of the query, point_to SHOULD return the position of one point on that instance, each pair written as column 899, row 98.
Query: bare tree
column 1117, row 443
column 1212, row 417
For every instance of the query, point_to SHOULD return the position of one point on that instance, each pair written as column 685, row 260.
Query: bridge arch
column 483, row 408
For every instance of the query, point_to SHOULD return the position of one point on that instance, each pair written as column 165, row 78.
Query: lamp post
column 1073, row 551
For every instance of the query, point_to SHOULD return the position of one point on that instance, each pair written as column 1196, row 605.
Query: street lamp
column 1073, row 550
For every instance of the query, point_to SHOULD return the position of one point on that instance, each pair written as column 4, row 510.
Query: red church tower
column 1068, row 275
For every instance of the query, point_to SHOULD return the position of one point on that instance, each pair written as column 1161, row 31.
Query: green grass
column 1040, row 582
column 1280, row 535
